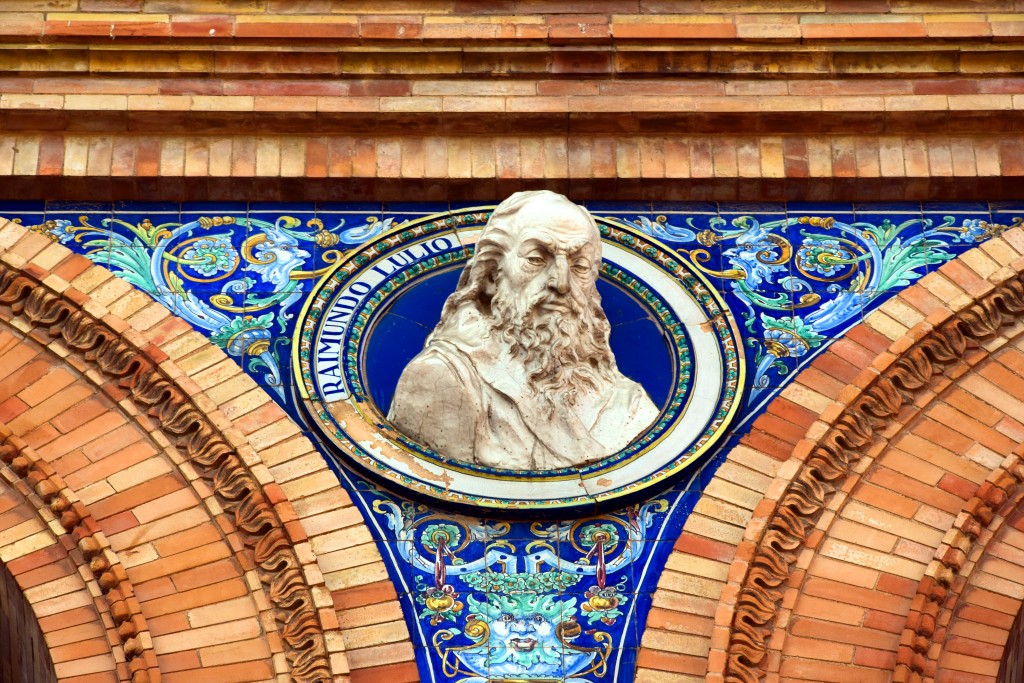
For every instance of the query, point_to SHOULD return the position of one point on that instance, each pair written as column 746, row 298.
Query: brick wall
column 862, row 100
column 869, row 527
column 794, row 565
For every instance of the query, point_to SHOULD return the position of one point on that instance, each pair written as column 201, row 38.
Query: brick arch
column 749, row 572
column 79, row 569
column 44, row 565
column 988, row 599
column 965, row 605
column 274, row 518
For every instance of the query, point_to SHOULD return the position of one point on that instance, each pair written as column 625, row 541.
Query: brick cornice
column 515, row 22
column 966, row 115
column 451, row 100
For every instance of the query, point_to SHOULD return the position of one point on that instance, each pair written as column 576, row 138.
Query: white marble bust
column 518, row 374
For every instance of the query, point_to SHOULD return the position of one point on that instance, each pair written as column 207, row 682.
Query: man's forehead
column 555, row 242
column 556, row 224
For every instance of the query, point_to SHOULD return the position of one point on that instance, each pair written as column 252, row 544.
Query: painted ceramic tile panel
column 549, row 598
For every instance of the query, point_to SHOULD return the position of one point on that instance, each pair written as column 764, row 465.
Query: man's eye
column 538, row 618
column 506, row 617
column 535, row 260
column 581, row 268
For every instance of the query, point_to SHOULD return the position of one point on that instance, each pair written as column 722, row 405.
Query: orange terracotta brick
column 189, row 599
column 369, row 594
column 671, row 662
column 405, row 672
column 232, row 673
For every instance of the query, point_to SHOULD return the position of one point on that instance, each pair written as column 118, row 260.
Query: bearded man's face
column 546, row 305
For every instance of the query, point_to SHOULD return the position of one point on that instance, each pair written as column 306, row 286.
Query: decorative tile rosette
column 339, row 326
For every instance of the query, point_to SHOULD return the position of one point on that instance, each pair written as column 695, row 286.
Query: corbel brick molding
column 940, row 589
column 97, row 559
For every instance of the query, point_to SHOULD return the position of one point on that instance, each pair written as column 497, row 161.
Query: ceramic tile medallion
column 521, row 575
column 406, row 274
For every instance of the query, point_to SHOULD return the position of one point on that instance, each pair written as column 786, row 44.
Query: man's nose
column 560, row 276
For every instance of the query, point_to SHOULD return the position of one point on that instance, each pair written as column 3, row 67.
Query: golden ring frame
column 379, row 470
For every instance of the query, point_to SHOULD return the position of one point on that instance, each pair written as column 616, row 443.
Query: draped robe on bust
column 467, row 397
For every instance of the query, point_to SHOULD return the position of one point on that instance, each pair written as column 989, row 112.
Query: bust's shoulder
column 437, row 402
column 439, row 364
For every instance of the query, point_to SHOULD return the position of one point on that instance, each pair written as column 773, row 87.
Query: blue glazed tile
column 751, row 208
column 373, row 208
column 943, row 208
column 473, row 204
column 73, row 207
column 601, row 207
column 424, row 663
column 1009, row 214
column 623, row 666
column 355, row 229
column 685, row 208
column 86, row 228
column 215, row 208
column 283, row 245
column 280, row 208
column 951, row 233
column 818, row 208
column 419, row 208
column 26, row 219
column 635, row 341
column 886, row 207
column 120, row 209
column 30, row 206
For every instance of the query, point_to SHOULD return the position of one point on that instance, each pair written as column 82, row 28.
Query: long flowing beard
column 565, row 353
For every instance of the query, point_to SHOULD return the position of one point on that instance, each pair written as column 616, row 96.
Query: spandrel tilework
column 554, row 598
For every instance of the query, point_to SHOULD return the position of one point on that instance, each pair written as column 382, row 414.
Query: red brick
column 404, row 672
column 45, row 573
column 305, row 30
column 198, row 597
column 768, row 444
column 316, row 158
column 213, row 572
column 389, row 30
column 779, row 428
column 649, row 658
column 147, row 157
column 104, row 29
column 231, row 673
column 897, row 585
column 39, row 558
column 80, row 615
column 958, row 486
column 876, row 659
column 201, row 26
column 360, row 596
column 691, row 544
column 910, row 29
